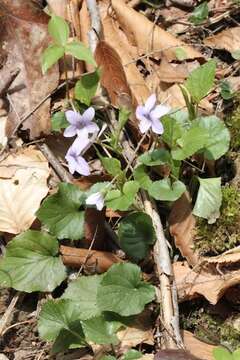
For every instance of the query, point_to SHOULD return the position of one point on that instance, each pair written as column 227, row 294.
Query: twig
column 95, row 24
column 161, row 254
column 165, row 273
column 6, row 80
column 59, row 169
column 5, row 318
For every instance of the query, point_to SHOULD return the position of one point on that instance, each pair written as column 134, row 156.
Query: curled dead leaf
column 175, row 355
column 182, row 228
column 113, row 77
column 197, row 347
column 23, row 185
column 228, row 39
column 193, row 283
column 149, row 37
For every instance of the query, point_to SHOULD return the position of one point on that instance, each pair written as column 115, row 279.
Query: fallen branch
column 93, row 260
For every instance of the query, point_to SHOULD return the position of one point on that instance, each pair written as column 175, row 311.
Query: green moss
column 211, row 328
column 224, row 234
column 233, row 122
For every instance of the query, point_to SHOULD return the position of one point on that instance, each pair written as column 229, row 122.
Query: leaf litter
column 139, row 54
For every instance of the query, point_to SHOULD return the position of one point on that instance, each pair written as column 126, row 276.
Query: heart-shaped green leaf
column 117, row 200
column 122, row 291
column 60, row 212
column 31, row 263
column 165, row 190
column 136, row 234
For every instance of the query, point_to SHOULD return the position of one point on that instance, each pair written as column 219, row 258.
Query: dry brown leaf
column 140, row 332
column 173, row 97
column 136, row 82
column 23, row 185
column 228, row 39
column 197, row 347
column 147, row 36
column 59, row 8
column 192, row 283
column 113, row 77
column 117, row 39
column 182, row 228
column 24, row 36
column 93, row 260
column 94, row 229
column 175, row 355
column 175, row 73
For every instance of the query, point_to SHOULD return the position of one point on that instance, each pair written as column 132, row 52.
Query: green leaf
column 236, row 354
column 226, row 92
column 219, row 137
column 132, row 355
column 155, row 157
column 209, row 199
column 117, row 200
column 173, row 130
column 83, row 292
column 59, row 30
column 165, row 191
column 136, row 235
column 181, row 54
column 201, row 80
column 86, row 87
column 69, row 339
column 57, row 316
column 80, row 52
column 50, row 56
column 123, row 117
column 123, row 292
column 98, row 187
column 60, row 212
column 31, row 263
column 220, row 353
column 111, row 165
column 236, row 54
column 59, row 121
column 141, row 177
column 100, row 331
column 108, row 357
column 199, row 14
column 190, row 142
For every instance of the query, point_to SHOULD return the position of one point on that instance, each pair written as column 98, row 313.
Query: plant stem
column 66, row 76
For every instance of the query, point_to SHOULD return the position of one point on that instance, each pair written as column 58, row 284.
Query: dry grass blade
column 113, row 77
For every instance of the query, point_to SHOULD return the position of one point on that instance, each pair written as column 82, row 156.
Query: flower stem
column 66, row 76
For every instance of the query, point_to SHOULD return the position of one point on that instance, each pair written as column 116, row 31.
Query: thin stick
column 5, row 318
column 59, row 169
column 95, row 24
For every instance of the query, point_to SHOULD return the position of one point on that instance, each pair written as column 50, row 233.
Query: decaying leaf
column 24, row 37
column 113, row 77
column 196, row 347
column 59, row 8
column 175, row 73
column 175, row 98
column 141, row 331
column 228, row 39
column 191, row 284
column 182, row 228
column 92, row 260
column 136, row 82
column 175, row 355
column 147, row 36
column 23, row 185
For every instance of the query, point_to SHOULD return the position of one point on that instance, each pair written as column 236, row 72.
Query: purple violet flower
column 150, row 114
column 75, row 161
column 96, row 199
column 80, row 124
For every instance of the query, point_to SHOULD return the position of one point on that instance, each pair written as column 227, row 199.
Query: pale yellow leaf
column 23, row 185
